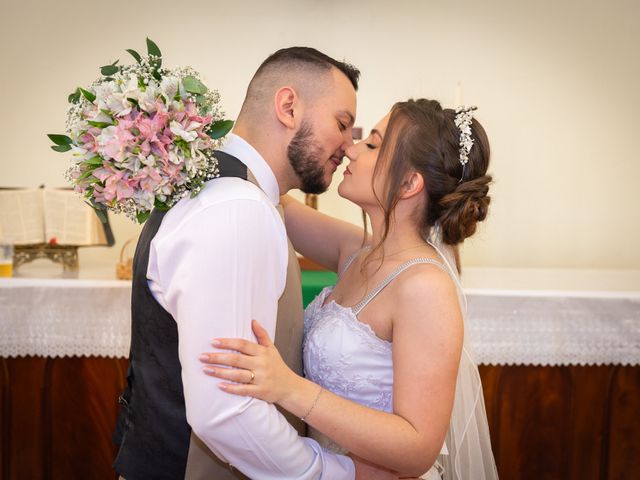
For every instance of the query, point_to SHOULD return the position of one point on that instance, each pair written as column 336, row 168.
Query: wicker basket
column 124, row 268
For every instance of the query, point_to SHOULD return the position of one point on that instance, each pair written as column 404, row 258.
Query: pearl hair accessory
column 464, row 116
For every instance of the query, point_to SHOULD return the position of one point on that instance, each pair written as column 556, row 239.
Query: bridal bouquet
column 142, row 136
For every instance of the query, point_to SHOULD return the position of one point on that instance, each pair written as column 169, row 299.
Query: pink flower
column 89, row 139
column 150, row 127
column 190, row 108
column 148, row 179
column 104, row 172
column 116, row 141
column 118, row 185
column 173, row 172
column 102, row 195
column 125, row 189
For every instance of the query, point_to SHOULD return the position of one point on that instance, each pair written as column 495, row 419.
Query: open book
column 49, row 215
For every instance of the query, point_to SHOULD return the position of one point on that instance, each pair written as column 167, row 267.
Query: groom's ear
column 286, row 102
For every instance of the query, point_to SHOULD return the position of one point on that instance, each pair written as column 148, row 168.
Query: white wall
column 556, row 83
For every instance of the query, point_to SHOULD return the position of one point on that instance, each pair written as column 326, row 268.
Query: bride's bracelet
column 313, row 405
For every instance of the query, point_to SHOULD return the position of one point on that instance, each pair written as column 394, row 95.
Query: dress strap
column 357, row 308
column 350, row 260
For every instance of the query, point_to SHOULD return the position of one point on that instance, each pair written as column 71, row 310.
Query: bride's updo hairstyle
column 422, row 137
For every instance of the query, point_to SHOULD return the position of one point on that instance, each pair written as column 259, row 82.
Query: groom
column 213, row 263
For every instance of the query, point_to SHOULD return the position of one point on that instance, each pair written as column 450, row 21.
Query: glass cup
column 6, row 260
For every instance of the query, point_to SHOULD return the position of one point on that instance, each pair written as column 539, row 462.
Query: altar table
column 559, row 357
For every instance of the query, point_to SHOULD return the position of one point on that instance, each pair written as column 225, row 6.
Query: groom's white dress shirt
column 218, row 261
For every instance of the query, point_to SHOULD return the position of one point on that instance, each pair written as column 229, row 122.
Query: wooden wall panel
column 532, row 419
column 546, row 422
column 623, row 446
column 26, row 376
column 591, row 386
column 5, row 415
column 80, row 401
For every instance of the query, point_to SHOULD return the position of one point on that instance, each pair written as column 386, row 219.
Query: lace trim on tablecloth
column 527, row 330
column 61, row 321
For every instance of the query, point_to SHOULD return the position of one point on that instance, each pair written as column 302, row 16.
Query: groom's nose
column 351, row 152
column 348, row 139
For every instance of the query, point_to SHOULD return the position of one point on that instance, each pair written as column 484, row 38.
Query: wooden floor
column 57, row 417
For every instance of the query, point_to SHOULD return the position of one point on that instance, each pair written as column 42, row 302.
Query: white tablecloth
column 67, row 317
column 91, row 317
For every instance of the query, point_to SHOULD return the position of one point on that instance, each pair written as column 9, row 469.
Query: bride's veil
column 468, row 441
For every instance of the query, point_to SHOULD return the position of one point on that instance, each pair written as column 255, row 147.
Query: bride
column 389, row 376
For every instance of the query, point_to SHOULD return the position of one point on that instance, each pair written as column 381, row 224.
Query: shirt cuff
column 334, row 466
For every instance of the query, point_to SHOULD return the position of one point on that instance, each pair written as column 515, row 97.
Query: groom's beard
column 305, row 158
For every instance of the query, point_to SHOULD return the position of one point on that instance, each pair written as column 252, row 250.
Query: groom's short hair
column 305, row 67
column 309, row 59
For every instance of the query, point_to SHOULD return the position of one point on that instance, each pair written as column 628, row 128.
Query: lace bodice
column 345, row 356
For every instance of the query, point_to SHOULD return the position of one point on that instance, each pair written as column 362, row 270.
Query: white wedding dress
column 346, row 357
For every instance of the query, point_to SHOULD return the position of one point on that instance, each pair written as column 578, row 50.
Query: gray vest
column 155, row 439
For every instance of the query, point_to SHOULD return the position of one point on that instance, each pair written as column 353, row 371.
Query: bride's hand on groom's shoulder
column 250, row 369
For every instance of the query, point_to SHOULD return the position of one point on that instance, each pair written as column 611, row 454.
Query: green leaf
column 86, row 174
column 160, row 205
column 152, row 48
column 99, row 124
column 156, row 62
column 109, row 70
column 220, row 128
column 142, row 216
column 87, row 94
column 75, row 96
column 61, row 148
column 193, row 85
column 135, row 55
column 94, row 161
column 59, row 139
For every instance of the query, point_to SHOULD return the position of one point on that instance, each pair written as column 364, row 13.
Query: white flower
column 149, row 161
column 169, row 88
column 118, row 104
column 197, row 161
column 77, row 126
column 130, row 88
column 174, row 158
column 144, row 199
column 132, row 163
column 186, row 135
column 175, row 106
column 101, row 117
column 103, row 91
column 164, row 188
column 79, row 152
column 147, row 100
column 107, row 134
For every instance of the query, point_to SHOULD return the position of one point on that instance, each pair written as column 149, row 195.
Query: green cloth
column 313, row 282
